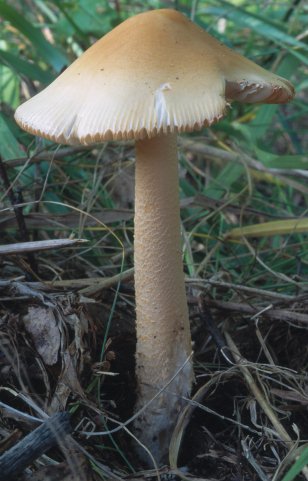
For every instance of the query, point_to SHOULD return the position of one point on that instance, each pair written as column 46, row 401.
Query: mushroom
column 153, row 76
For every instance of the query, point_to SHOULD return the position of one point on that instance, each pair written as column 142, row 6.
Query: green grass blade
column 276, row 227
column 273, row 161
column 22, row 67
column 259, row 24
column 9, row 86
column 299, row 464
column 9, row 147
column 48, row 52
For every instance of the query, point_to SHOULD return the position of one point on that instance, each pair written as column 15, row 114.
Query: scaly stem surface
column 163, row 332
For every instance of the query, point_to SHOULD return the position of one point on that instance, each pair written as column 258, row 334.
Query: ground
column 250, row 376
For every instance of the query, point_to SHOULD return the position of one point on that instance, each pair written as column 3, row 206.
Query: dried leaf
column 67, row 382
column 291, row 395
column 41, row 324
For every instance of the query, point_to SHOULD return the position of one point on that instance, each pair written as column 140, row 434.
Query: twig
column 95, row 285
column 203, row 283
column 49, row 434
column 38, row 220
column 26, row 291
column 239, row 157
column 92, row 285
column 276, row 314
column 22, row 247
column 18, row 213
column 207, row 319
column 47, row 155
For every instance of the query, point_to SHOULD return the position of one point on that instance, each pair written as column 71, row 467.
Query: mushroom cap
column 155, row 73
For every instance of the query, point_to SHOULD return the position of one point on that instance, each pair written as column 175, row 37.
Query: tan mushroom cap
column 155, row 73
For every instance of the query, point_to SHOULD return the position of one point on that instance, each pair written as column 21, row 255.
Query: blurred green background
column 40, row 38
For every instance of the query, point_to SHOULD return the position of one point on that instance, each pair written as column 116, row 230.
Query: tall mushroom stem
column 163, row 332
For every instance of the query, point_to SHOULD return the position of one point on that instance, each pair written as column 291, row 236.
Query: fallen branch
column 32, row 446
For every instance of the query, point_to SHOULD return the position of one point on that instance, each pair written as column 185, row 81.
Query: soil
column 229, row 417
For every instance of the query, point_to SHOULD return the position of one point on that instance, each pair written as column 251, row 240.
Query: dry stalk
column 262, row 293
column 92, row 286
column 239, row 157
column 275, row 314
column 256, row 391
